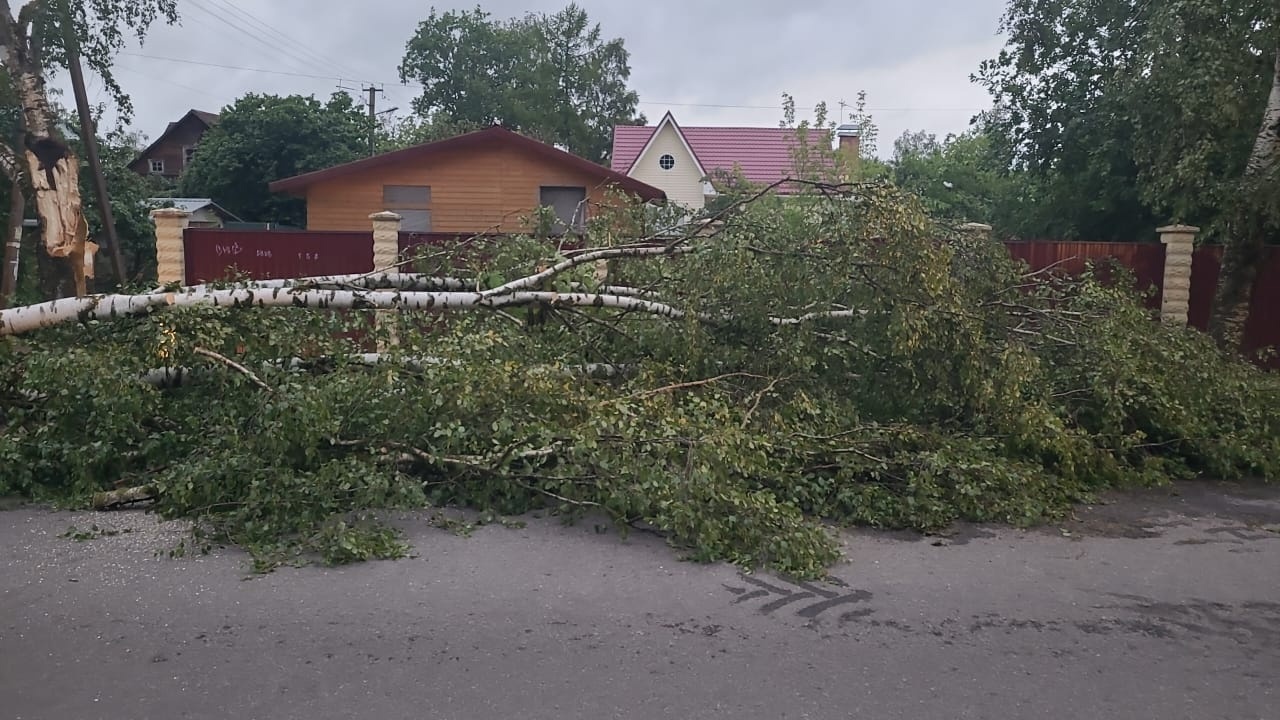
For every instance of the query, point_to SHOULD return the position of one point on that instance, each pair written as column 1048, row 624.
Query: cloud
column 715, row 59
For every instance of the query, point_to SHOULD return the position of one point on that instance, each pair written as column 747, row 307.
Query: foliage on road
column 835, row 357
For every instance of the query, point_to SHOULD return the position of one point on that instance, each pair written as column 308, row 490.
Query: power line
column 167, row 81
column 272, row 46
column 779, row 106
column 337, row 78
column 277, row 34
column 239, row 67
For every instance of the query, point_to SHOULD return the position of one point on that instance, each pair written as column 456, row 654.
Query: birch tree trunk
column 53, row 169
column 1244, row 245
column 13, row 238
column 12, row 245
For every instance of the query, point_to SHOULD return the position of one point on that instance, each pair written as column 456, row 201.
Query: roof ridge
column 496, row 132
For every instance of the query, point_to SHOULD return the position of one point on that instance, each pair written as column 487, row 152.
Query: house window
column 405, row 196
column 666, row 162
column 569, row 205
column 157, row 166
column 414, row 220
column 188, row 153
column 412, row 203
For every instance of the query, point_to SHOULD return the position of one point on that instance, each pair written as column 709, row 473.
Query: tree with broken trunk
column 1126, row 107
column 35, row 40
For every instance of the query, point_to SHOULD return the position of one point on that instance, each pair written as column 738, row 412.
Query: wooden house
column 490, row 181
column 171, row 153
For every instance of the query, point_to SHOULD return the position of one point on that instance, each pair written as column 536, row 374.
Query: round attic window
column 666, row 162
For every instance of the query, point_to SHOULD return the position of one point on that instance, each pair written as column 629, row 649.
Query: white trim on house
column 668, row 119
column 681, row 176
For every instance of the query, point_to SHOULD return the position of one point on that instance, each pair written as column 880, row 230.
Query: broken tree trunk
column 112, row 499
column 1244, row 245
column 53, row 169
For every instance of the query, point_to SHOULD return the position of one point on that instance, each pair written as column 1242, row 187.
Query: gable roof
column 764, row 154
column 495, row 134
column 207, row 119
column 667, row 119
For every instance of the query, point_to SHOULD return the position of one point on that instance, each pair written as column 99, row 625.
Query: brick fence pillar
column 171, row 263
column 1179, row 242
column 386, row 241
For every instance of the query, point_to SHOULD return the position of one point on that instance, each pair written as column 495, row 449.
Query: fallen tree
column 827, row 358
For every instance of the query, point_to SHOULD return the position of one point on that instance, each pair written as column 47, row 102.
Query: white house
column 679, row 160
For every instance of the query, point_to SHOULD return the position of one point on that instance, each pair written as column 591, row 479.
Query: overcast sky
column 709, row 62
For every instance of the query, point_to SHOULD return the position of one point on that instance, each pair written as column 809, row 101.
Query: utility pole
column 373, row 118
column 90, row 139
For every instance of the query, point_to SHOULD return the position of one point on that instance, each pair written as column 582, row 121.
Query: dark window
column 412, row 203
column 188, row 153
column 666, row 162
column 405, row 196
column 569, row 205
column 414, row 220
column 157, row 166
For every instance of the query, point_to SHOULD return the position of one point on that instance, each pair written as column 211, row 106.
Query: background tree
column 959, row 178
column 35, row 40
column 263, row 138
column 553, row 77
column 1128, row 111
column 395, row 133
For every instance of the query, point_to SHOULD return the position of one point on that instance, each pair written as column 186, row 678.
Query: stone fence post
column 386, row 240
column 1179, row 243
column 171, row 254
column 386, row 253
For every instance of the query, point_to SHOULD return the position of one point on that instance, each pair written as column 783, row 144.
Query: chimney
column 849, row 141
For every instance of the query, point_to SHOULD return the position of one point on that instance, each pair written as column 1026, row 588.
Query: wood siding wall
column 489, row 190
column 172, row 150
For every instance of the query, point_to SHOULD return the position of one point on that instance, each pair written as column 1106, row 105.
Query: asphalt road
column 1159, row 605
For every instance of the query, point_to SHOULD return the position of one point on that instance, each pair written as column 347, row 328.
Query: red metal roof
column 764, row 154
column 495, row 134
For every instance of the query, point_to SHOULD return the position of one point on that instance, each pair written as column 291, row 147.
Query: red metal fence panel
column 214, row 254
column 1144, row 260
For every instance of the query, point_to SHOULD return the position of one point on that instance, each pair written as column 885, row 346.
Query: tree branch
column 589, row 257
column 234, row 366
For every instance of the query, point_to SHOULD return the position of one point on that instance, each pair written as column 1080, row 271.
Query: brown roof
column 207, row 118
column 495, row 134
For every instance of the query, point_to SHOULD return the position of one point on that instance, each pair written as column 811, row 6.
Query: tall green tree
column 39, row 38
column 1151, row 109
column 554, row 77
column 959, row 178
column 263, row 138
